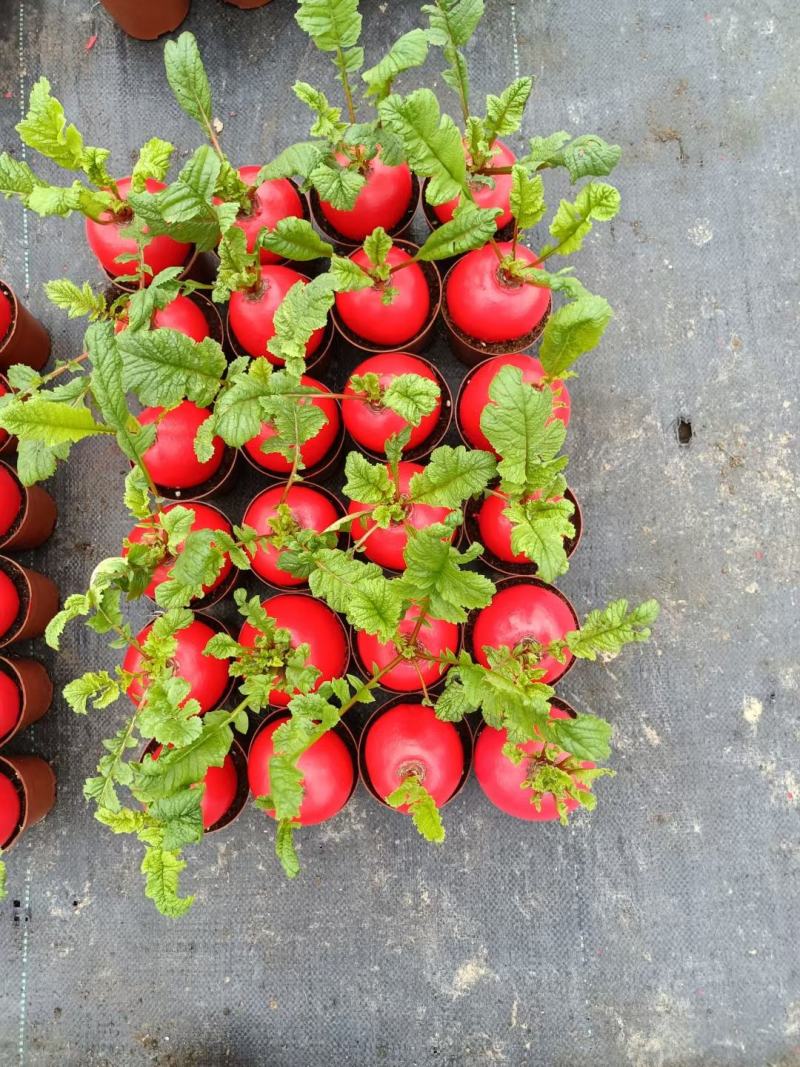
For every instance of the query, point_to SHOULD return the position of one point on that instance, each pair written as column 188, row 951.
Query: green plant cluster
column 98, row 394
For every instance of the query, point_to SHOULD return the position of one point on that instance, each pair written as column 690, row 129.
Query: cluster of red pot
column 28, row 599
column 146, row 20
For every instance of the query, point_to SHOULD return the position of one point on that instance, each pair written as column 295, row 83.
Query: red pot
column 34, row 784
column 145, row 19
column 8, row 444
column 26, row 693
column 27, row 514
column 24, row 339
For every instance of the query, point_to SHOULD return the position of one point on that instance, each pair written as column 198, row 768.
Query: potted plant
column 23, row 339
column 27, row 793
column 27, row 514
column 26, row 693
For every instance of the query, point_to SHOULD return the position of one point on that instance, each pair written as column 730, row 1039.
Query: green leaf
column 543, row 149
column 377, row 246
column 526, row 198
column 432, row 142
column 504, row 112
column 328, row 123
column 285, row 850
column 451, row 476
column 48, row 200
column 188, row 79
column 45, row 129
column 3, row 881
column 162, row 871
column 605, row 632
column 585, row 156
column 76, row 302
column 337, row 185
column 346, row 276
column 49, row 421
column 333, row 25
column 539, row 529
column 452, row 23
column 301, row 158
column 519, row 425
column 238, row 269
column 408, row 51
column 106, row 359
column 412, row 795
column 182, row 816
column 434, row 570
column 296, row 239
column 303, row 310
column 285, row 788
column 179, row 767
column 162, row 367
column 237, row 412
column 573, row 221
column 36, row 461
column 585, row 737
column 412, row 397
column 572, row 330
column 367, row 483
column 184, row 210
column 360, row 591
column 154, row 161
column 470, row 228
column 95, row 686
column 17, row 178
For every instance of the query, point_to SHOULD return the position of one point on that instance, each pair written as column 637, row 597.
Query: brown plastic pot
column 26, row 340
column 8, row 444
column 35, row 520
column 318, row 362
column 38, row 602
column 415, row 344
column 147, row 19
column 504, row 583
column 35, row 782
column 239, row 758
column 471, row 351
column 521, row 570
column 35, row 690
column 345, row 245
column 247, row 5
column 221, row 482
column 464, row 733
column 424, row 448
column 326, row 468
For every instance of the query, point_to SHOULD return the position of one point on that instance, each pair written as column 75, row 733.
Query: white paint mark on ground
column 651, row 735
column 752, row 709
column 701, row 233
column 468, row 975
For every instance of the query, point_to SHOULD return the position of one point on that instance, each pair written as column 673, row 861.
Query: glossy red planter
column 38, row 602
column 472, row 532
column 8, row 444
column 36, row 518
column 345, row 245
column 35, row 690
column 319, row 360
column 471, row 351
column 26, row 340
column 326, row 468
column 35, row 782
column 235, row 809
column 220, row 483
column 147, row 20
column 421, row 339
column 464, row 734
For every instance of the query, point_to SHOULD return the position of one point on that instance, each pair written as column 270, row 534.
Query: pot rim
column 217, row 484
column 8, row 768
column 9, row 667
column 347, row 245
column 463, row 729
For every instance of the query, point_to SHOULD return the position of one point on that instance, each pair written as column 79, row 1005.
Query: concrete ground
column 661, row 931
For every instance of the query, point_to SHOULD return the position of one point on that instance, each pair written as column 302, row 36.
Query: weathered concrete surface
column 663, row 930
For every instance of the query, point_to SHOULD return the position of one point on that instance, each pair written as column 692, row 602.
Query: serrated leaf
column 46, row 130
column 572, row 330
column 238, row 268
column 468, row 229
column 76, row 302
column 346, row 276
column 412, row 397
column 585, row 156
column 36, row 461
column 408, row 51
column 49, row 422
column 539, row 529
column 412, row 795
column 179, row 767
column 188, row 79
column 573, row 221
column 367, row 483
column 106, row 360
column 97, row 687
column 452, row 23
column 17, row 178
column 184, row 210
column 331, row 24
column 237, row 412
column 162, row 871
column 586, row 737
column 377, row 247
column 285, row 850
column 452, row 475
column 526, row 197
column 337, row 185
column 296, row 239
column 162, row 367
column 605, row 632
column 435, row 571
column 520, row 427
column 328, row 123
column 298, row 159
column 504, row 112
column 433, row 145
column 303, row 310
column 543, row 149
column 154, row 161
column 360, row 591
